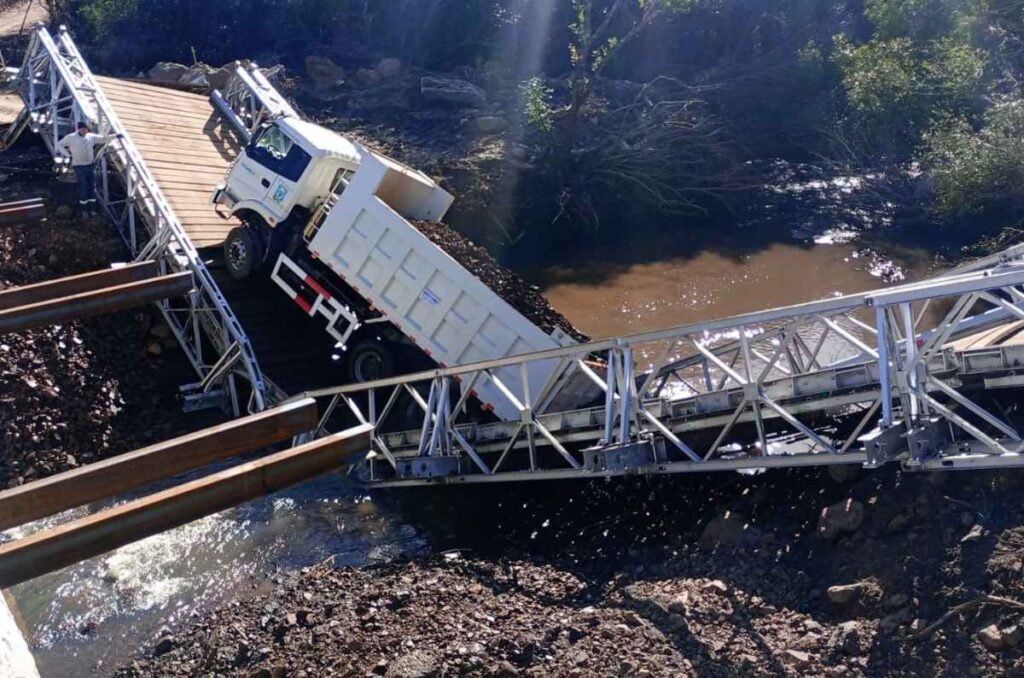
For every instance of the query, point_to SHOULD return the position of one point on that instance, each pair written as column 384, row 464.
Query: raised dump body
column 431, row 298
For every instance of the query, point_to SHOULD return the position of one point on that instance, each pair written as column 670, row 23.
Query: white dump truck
column 331, row 221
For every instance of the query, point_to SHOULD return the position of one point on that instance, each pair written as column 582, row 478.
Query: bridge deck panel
column 185, row 144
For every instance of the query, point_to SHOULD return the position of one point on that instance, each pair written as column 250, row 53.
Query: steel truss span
column 59, row 90
column 886, row 376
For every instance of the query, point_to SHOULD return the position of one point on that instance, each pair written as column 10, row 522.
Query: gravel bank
column 786, row 574
column 75, row 393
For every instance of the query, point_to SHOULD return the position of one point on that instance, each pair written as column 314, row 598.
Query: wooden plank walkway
column 187, row 147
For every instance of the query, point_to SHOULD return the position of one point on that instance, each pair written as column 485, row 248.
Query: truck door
column 270, row 169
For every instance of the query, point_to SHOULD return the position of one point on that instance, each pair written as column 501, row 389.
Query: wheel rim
column 237, row 252
column 368, row 366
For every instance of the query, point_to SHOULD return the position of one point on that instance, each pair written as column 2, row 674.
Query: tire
column 243, row 253
column 369, row 360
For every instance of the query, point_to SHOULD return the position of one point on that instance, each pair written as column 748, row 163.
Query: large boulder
column 368, row 77
column 167, row 71
column 220, row 78
column 388, row 68
column 324, row 73
column 451, row 90
column 846, row 517
column 490, row 124
column 197, row 75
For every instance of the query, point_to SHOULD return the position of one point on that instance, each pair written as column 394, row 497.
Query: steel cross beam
column 760, row 390
column 59, row 89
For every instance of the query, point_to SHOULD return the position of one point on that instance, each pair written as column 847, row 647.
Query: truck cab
column 288, row 169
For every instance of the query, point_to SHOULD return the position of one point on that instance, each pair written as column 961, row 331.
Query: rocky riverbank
column 784, row 574
column 75, row 393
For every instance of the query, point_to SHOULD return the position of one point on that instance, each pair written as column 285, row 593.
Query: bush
column 895, row 88
column 979, row 170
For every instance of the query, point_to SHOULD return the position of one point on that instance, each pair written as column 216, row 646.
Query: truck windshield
column 273, row 149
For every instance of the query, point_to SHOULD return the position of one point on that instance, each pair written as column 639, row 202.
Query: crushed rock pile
column 795, row 578
column 74, row 393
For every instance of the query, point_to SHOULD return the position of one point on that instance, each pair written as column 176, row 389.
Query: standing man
column 80, row 147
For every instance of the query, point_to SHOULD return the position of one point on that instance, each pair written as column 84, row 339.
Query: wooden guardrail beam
column 77, row 284
column 58, row 547
column 124, row 472
column 95, row 302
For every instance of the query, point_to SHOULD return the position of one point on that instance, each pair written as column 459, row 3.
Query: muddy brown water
column 678, row 291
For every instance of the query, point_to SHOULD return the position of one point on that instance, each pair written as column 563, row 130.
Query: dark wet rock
column 728, row 529
column 490, row 124
column 451, row 91
column 163, row 646
column 845, row 517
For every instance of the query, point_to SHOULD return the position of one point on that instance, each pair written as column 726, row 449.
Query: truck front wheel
column 369, row 360
column 242, row 253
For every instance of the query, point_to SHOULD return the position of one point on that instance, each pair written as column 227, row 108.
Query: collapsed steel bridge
column 866, row 379
column 921, row 374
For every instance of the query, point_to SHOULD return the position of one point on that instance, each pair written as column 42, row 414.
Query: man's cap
column 81, row 124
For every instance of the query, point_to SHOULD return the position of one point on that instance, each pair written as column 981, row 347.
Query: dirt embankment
column 74, row 393
column 784, row 574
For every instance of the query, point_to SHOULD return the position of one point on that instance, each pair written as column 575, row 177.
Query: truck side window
column 273, row 149
column 341, row 179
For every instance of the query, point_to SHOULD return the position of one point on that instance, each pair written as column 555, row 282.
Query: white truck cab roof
column 320, row 142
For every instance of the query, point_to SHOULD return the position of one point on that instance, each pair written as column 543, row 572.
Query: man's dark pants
column 85, row 176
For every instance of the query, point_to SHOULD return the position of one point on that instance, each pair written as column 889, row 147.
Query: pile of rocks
column 848, row 586
column 74, row 393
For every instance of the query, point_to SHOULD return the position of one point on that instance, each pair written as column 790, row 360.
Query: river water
column 96, row 614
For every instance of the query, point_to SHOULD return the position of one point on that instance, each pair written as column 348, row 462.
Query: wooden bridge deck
column 187, row 147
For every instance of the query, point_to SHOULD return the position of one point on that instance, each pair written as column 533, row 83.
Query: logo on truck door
column 280, row 193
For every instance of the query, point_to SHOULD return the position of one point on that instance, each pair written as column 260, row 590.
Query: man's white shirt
column 82, row 148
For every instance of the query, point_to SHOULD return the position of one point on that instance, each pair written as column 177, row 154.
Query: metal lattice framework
column 743, row 392
column 59, row 90
column 249, row 100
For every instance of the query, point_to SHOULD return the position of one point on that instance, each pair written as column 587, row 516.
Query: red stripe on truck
column 303, row 304
column 316, row 287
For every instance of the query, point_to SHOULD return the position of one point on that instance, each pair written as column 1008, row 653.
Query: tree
column 599, row 30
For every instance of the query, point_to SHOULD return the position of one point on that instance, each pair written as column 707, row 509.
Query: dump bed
column 429, row 296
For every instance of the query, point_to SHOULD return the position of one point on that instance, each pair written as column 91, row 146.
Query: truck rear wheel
column 369, row 360
column 242, row 253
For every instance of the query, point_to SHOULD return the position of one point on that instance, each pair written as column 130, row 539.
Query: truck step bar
column 313, row 299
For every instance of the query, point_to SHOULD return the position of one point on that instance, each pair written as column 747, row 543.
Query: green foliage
column 916, row 19
column 536, row 98
column 978, row 170
column 103, row 17
column 896, row 86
